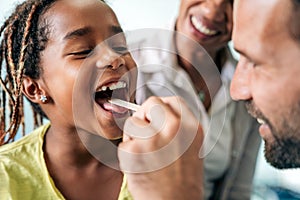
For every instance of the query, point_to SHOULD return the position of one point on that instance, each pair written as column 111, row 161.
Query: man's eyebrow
column 239, row 51
column 77, row 33
column 242, row 52
column 246, row 54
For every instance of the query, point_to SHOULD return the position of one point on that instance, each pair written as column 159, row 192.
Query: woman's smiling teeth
column 202, row 28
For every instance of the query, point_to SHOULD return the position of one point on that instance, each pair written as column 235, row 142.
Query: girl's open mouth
column 117, row 90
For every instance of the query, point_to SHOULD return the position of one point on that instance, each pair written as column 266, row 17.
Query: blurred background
column 269, row 183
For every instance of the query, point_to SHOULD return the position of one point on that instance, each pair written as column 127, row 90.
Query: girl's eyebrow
column 78, row 33
column 116, row 29
column 86, row 30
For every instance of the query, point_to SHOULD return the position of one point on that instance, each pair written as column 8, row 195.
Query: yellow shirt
column 24, row 174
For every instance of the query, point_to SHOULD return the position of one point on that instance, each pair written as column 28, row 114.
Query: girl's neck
column 72, row 148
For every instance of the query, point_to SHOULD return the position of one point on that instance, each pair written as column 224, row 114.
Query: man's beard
column 284, row 151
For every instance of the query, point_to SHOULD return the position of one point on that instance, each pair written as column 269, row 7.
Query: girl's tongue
column 114, row 108
column 103, row 97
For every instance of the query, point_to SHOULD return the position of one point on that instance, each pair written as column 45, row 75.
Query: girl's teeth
column 103, row 88
column 200, row 27
column 114, row 86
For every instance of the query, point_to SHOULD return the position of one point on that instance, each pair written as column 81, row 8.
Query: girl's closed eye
column 120, row 49
column 118, row 44
column 81, row 54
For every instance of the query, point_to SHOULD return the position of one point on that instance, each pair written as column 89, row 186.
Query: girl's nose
column 107, row 58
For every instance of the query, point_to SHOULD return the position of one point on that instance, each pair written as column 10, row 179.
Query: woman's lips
column 201, row 29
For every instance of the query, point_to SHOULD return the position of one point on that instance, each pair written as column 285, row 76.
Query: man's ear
column 32, row 90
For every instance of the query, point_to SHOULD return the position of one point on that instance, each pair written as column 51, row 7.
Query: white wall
column 6, row 7
column 134, row 14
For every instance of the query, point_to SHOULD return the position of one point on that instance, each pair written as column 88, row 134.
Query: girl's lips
column 112, row 90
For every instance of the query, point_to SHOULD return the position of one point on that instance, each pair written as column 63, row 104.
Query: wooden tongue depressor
column 125, row 104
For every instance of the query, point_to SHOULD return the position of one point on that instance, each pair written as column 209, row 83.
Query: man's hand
column 160, row 151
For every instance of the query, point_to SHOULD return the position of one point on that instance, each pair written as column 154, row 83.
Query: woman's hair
column 23, row 36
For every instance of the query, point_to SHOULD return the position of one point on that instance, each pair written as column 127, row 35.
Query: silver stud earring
column 43, row 98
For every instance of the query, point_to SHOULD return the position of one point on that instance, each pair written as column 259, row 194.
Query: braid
column 10, row 61
column 18, row 106
column 24, row 37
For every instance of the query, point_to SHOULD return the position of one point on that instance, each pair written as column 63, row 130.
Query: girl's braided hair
column 23, row 36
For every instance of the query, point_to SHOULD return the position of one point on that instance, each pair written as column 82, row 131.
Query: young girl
column 45, row 45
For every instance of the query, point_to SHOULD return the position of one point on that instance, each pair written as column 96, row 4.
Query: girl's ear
column 32, row 90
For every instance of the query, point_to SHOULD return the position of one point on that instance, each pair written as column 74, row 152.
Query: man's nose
column 240, row 84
